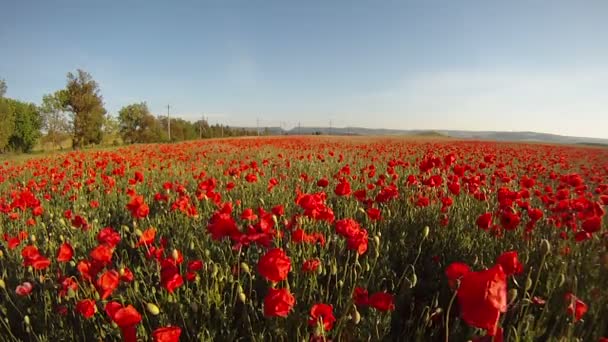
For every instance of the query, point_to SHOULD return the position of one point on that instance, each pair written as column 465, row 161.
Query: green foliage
column 27, row 124
column 7, row 123
column 54, row 119
column 82, row 99
column 2, row 88
column 137, row 125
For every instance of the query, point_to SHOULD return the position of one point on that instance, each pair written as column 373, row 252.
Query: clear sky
column 472, row 65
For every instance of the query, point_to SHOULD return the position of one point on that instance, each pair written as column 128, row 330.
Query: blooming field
column 306, row 239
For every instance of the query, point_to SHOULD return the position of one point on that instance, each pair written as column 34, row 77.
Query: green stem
column 447, row 316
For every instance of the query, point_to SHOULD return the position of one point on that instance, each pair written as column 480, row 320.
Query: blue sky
column 473, row 65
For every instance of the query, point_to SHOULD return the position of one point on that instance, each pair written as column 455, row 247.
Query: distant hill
column 480, row 135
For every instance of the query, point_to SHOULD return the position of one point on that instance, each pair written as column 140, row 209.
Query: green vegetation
column 75, row 117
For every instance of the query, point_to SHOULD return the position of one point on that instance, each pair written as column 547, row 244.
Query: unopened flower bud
column 245, row 268
column 425, row 232
column 152, row 309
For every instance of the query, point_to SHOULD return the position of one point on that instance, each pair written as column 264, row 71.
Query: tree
column 138, row 125
column 85, row 104
column 54, row 120
column 7, row 118
column 2, row 88
column 110, row 130
column 27, row 124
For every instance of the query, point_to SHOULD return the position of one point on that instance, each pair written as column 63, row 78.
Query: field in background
column 306, row 238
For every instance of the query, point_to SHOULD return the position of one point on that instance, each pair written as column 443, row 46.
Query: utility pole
column 169, row 122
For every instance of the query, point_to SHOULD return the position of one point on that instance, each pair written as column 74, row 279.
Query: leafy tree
column 7, row 118
column 2, row 88
column 138, row 125
column 27, row 124
column 110, row 130
column 54, row 119
column 85, row 104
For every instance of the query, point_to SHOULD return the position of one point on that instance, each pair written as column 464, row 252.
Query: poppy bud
column 377, row 240
column 245, row 268
column 1, row 254
column 340, row 283
column 361, row 210
column 545, row 246
column 239, row 288
column 562, row 279
column 414, row 280
column 242, row 297
column 137, row 231
column 32, row 238
column 511, row 296
column 425, row 232
column 26, row 320
column 207, row 253
column 62, row 221
column 191, row 246
column 528, row 284
column 2, row 284
column 175, row 254
column 334, row 268
column 356, row 317
column 152, row 309
column 275, row 220
column 214, row 270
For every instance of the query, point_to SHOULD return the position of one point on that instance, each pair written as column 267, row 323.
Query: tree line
column 77, row 113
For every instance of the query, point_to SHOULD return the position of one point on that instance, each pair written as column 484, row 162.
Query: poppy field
column 306, row 239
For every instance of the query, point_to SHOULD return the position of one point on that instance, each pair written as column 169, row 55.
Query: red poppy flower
column 86, row 307
column 169, row 275
column 126, row 318
column 166, row 334
column 347, row 227
column 138, row 208
column 360, row 296
column 32, row 257
column 278, row 303
column 107, row 283
column 311, row 265
column 373, row 214
column 322, row 313
column 195, row 265
column 108, row 236
column 274, row 265
column 482, row 297
column 510, row 263
column 592, row 224
column 576, row 307
column 343, row 189
column 102, row 254
column 126, row 275
column 382, row 301
column 65, row 253
column 24, row 289
column 147, row 237
column 509, row 220
column 484, row 221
